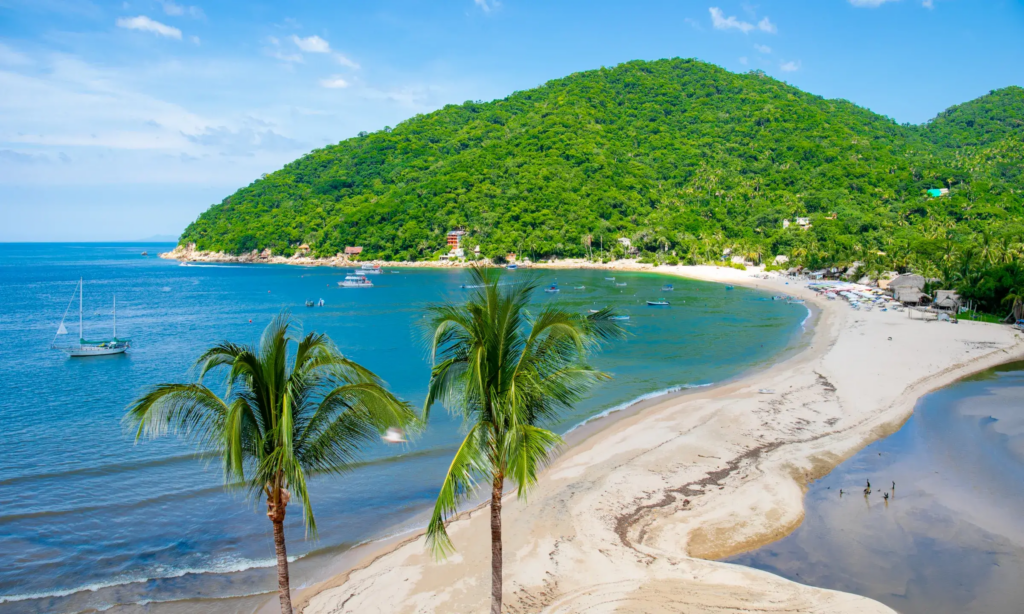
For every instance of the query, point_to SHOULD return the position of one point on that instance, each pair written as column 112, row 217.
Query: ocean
column 90, row 519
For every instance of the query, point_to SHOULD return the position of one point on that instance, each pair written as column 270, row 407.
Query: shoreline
column 653, row 519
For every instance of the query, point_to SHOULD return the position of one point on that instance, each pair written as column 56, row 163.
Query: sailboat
column 84, row 347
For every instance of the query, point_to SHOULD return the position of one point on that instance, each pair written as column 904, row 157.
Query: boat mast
column 81, row 334
column 115, row 317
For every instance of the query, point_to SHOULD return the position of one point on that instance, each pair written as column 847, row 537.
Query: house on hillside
column 353, row 251
column 455, row 238
column 937, row 192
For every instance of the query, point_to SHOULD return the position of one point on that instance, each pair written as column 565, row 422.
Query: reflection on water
column 950, row 538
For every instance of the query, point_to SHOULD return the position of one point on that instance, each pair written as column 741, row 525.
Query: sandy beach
column 632, row 515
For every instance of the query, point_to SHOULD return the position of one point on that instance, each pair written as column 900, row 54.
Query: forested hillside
column 682, row 157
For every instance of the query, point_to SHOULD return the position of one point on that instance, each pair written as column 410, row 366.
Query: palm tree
column 276, row 426
column 1015, row 298
column 506, row 372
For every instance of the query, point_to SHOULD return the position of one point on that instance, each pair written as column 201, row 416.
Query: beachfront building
column 353, row 251
column 911, row 296
column 947, row 300
column 909, row 289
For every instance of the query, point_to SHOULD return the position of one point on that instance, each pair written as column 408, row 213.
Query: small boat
column 310, row 303
column 618, row 318
column 594, row 310
column 579, row 287
column 552, row 289
column 511, row 266
column 369, row 269
column 609, row 279
column 89, row 348
column 766, row 391
column 620, row 284
column 145, row 253
column 394, row 435
column 355, row 281
column 658, row 303
column 728, row 287
column 320, row 303
column 795, row 301
column 667, row 288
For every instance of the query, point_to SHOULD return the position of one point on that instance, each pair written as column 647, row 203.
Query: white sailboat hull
column 89, row 350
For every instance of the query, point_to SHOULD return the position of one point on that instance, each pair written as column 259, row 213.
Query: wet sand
column 949, row 538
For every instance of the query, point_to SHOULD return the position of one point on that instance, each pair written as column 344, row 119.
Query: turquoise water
column 950, row 537
column 88, row 519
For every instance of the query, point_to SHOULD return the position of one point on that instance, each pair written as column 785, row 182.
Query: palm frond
column 459, row 481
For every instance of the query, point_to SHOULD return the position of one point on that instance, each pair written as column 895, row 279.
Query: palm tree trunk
column 498, row 486
column 276, row 514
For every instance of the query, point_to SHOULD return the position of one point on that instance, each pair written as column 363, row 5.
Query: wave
column 214, row 266
column 223, row 567
column 112, row 468
column 639, row 399
column 803, row 323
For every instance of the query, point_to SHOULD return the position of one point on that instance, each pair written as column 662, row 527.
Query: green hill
column 680, row 156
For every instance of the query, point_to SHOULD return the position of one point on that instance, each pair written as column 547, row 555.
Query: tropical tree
column 275, row 426
column 507, row 373
column 1015, row 298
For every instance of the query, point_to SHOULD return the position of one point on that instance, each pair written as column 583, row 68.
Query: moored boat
column 552, row 289
column 658, row 303
column 667, row 288
column 619, row 318
column 511, row 266
column 369, row 269
column 86, row 348
column 620, row 284
column 355, row 281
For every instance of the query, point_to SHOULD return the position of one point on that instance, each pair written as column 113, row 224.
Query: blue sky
column 125, row 119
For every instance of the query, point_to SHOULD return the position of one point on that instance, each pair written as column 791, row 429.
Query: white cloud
column 312, row 44
column 869, row 3
column 146, row 24
column 743, row 60
column 765, row 25
column 487, row 5
column 173, row 9
column 177, row 10
column 721, row 22
column 790, row 66
column 334, row 82
column 345, row 61
column 763, row 49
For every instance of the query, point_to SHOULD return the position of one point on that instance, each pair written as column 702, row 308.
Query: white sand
column 625, row 520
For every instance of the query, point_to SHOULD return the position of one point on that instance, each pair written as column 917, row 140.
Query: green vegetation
column 682, row 157
column 276, row 426
column 505, row 373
